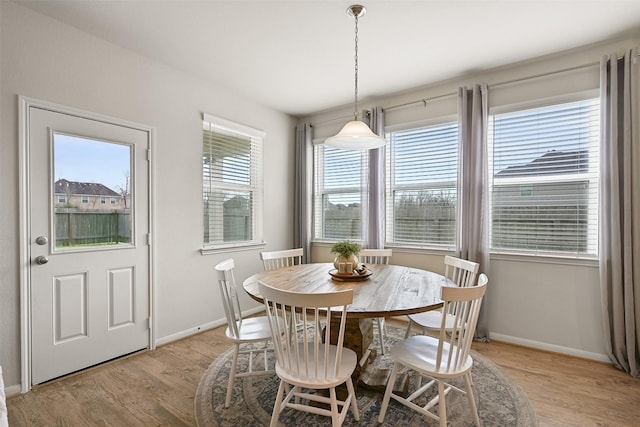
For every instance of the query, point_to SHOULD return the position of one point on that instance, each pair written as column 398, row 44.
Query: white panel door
column 88, row 198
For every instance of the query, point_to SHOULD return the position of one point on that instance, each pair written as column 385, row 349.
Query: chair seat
column 432, row 320
column 347, row 365
column 420, row 353
column 252, row 329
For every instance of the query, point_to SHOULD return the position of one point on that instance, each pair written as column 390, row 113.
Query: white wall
column 44, row 59
column 547, row 303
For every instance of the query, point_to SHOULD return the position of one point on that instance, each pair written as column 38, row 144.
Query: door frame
column 24, row 141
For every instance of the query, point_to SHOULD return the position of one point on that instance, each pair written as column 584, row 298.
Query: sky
column 87, row 160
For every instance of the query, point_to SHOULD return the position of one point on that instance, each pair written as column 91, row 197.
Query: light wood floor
column 157, row 388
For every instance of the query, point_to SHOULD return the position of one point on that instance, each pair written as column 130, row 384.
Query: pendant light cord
column 355, row 108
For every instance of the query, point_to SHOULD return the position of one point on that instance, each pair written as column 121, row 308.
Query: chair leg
column 387, row 393
column 354, row 403
column 472, row 401
column 277, row 406
column 406, row 334
column 335, row 412
column 442, row 406
column 381, row 333
column 232, row 375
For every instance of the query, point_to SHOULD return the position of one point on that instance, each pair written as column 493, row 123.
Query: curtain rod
column 505, row 83
column 550, row 73
column 564, row 70
column 420, row 101
column 337, row 119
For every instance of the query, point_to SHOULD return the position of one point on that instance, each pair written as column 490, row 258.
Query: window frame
column 390, row 186
column 319, row 193
column 255, row 187
column 592, row 176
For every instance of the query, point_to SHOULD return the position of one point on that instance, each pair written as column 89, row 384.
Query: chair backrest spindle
column 230, row 300
column 307, row 352
column 274, row 260
column 375, row 256
column 455, row 341
column 460, row 271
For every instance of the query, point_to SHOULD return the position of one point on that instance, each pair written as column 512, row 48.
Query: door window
column 86, row 172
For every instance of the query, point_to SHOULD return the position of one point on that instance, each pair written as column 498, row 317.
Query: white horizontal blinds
column 231, row 184
column 544, row 195
column 338, row 201
column 421, row 187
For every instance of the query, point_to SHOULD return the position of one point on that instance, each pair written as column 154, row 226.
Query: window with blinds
column 544, row 170
column 339, row 175
column 422, row 171
column 231, row 183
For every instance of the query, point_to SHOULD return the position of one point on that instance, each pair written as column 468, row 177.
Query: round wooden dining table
column 390, row 290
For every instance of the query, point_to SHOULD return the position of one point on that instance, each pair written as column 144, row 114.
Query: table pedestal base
column 358, row 337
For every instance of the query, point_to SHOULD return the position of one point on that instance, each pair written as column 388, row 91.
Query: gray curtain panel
column 472, row 242
column 374, row 233
column 619, row 237
column 302, row 191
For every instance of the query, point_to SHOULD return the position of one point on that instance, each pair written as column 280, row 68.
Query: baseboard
column 551, row 347
column 540, row 345
column 13, row 390
column 205, row 327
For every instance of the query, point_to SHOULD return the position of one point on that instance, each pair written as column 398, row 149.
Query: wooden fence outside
column 82, row 228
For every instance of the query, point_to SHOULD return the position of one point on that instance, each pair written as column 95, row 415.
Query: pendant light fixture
column 356, row 135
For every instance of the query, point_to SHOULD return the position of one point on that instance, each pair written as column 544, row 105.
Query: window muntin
column 338, row 201
column 422, row 172
column 232, row 183
column 544, row 179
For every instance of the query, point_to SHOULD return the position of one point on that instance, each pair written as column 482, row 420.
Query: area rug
column 500, row 401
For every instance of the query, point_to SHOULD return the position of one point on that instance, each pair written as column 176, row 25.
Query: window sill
column 546, row 258
column 232, row 247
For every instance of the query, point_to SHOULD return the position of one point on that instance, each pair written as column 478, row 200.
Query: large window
column 339, row 176
column 232, row 183
column 422, row 170
column 544, row 168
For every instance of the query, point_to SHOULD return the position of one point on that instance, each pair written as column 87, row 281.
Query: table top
column 392, row 290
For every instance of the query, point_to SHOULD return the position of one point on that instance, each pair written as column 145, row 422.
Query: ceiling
column 297, row 56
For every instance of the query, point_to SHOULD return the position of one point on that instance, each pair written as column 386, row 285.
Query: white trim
column 539, row 345
column 12, row 390
column 24, row 103
column 216, row 249
column 418, row 124
column 233, row 127
column 551, row 347
column 205, row 327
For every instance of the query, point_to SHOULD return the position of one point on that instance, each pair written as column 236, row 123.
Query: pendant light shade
column 356, row 135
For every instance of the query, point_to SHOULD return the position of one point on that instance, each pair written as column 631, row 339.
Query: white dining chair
column 306, row 360
column 440, row 359
column 241, row 330
column 273, row 260
column 459, row 271
column 377, row 256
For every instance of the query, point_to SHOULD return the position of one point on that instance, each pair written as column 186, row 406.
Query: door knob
column 41, row 240
column 41, row 259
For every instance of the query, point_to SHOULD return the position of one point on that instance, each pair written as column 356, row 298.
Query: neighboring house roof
column 237, row 202
column 551, row 163
column 63, row 186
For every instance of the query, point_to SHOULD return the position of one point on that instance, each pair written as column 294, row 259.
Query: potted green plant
column 346, row 251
